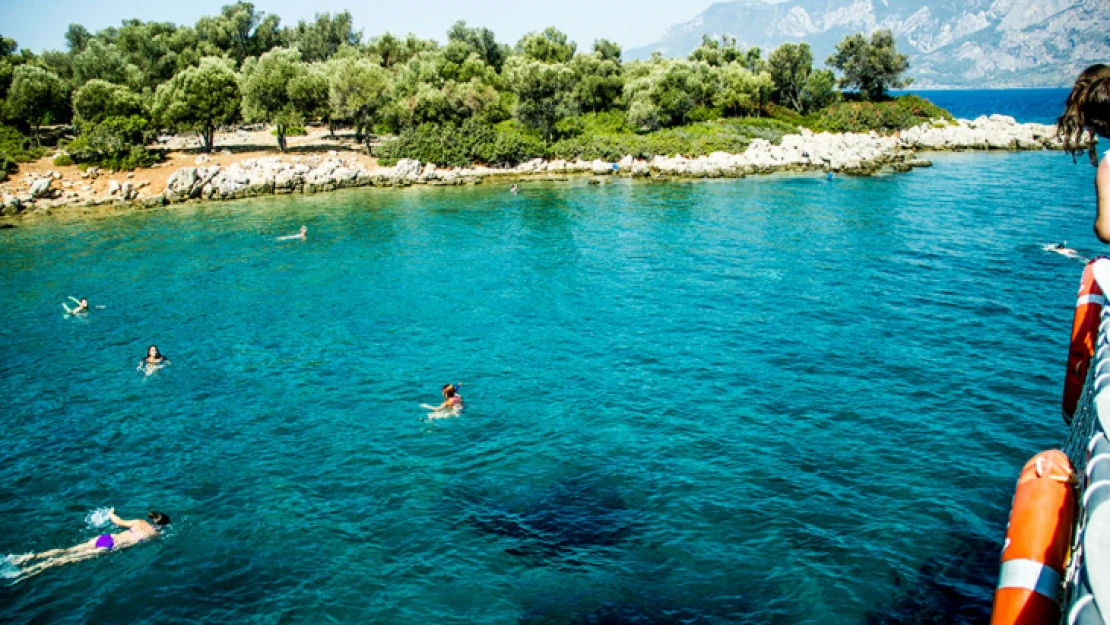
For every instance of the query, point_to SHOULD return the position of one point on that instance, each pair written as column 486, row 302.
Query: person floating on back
column 1086, row 116
column 81, row 308
column 138, row 531
column 302, row 235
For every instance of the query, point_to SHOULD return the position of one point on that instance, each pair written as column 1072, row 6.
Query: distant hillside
column 951, row 43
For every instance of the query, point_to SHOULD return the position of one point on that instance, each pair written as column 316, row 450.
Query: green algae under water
column 769, row 400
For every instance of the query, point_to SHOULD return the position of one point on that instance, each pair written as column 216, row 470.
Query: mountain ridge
column 951, row 44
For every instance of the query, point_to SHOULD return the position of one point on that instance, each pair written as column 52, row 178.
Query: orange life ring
column 1037, row 543
column 1084, row 335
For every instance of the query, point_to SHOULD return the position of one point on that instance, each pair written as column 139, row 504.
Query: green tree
column 321, row 39
column 717, row 52
column 542, row 91
column 357, row 91
column 240, row 31
column 105, row 61
column 35, row 97
column 308, row 93
column 873, row 66
column 790, row 65
column 199, row 99
column 482, row 42
column 598, row 81
column 820, row 91
column 549, row 46
column 608, row 50
column 99, row 99
column 77, row 37
column 265, row 87
column 742, row 92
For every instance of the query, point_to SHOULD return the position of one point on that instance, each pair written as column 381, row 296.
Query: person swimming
column 452, row 401
column 302, row 235
column 81, row 308
column 154, row 359
column 138, row 531
column 513, row 189
column 1063, row 250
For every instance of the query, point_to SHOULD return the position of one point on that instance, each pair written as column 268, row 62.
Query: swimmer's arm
column 1102, row 192
column 121, row 522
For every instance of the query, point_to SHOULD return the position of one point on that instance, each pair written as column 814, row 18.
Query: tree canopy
column 873, row 67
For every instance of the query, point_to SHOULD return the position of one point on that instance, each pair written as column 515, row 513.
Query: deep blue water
column 1042, row 106
column 769, row 400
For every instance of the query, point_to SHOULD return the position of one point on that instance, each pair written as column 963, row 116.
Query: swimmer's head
column 1087, row 112
column 153, row 352
column 304, row 229
column 449, row 390
column 159, row 519
column 84, row 302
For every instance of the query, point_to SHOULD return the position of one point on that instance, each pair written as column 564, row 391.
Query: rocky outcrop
column 997, row 132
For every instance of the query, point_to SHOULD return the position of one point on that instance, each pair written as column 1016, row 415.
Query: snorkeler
column 154, row 358
column 138, row 530
column 452, row 401
column 1087, row 112
column 302, row 235
column 81, row 308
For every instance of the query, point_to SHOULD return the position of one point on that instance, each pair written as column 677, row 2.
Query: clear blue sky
column 40, row 24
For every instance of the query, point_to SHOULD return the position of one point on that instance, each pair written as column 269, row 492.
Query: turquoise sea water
column 769, row 400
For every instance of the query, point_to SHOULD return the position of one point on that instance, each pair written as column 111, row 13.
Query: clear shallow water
column 1042, row 106
column 771, row 400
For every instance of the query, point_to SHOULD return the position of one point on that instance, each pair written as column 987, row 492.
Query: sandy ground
column 231, row 147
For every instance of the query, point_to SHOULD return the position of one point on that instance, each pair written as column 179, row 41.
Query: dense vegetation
column 470, row 99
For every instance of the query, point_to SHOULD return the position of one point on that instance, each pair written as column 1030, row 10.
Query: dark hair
column 158, row 518
column 1087, row 111
column 449, row 390
column 156, row 350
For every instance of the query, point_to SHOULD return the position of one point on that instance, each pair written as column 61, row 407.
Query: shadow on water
column 954, row 587
column 559, row 522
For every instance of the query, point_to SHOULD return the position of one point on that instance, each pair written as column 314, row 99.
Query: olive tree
column 98, row 99
column 199, row 99
column 740, row 91
column 542, row 91
column 265, row 86
column 873, row 66
column 357, row 90
column 35, row 97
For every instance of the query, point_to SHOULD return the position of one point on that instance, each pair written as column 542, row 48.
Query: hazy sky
column 41, row 24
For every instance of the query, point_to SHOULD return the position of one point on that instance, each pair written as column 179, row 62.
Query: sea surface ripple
column 768, row 400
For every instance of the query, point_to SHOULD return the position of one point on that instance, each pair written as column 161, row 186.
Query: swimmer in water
column 154, row 358
column 1062, row 249
column 302, row 235
column 138, row 531
column 81, row 308
column 513, row 189
column 452, row 401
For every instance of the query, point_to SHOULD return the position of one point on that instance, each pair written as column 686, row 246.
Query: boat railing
column 1087, row 581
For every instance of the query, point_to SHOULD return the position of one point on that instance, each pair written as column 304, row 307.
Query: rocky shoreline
column 848, row 153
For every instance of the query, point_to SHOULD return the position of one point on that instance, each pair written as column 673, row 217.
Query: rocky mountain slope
column 951, row 43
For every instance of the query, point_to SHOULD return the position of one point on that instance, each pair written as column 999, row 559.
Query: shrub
column 18, row 147
column 292, row 131
column 116, row 143
column 63, row 160
column 898, row 114
column 475, row 142
column 7, row 166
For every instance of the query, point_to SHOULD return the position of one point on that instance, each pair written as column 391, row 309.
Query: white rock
column 40, row 188
column 113, row 187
